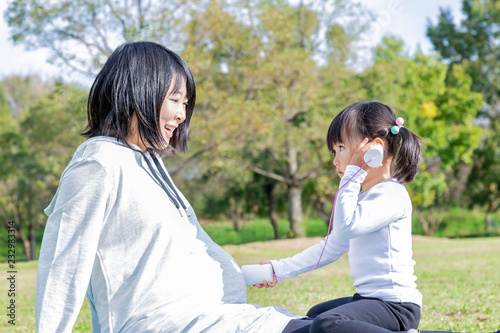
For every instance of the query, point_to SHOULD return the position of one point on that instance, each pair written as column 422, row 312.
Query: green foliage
column 259, row 230
column 467, row 223
column 316, row 228
column 461, row 222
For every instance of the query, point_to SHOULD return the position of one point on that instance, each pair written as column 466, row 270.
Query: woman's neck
column 133, row 136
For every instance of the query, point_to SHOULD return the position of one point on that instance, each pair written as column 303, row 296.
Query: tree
column 33, row 154
column 483, row 185
column 264, row 106
column 475, row 44
column 441, row 110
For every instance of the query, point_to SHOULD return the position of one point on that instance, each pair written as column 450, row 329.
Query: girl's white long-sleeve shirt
column 114, row 235
column 375, row 228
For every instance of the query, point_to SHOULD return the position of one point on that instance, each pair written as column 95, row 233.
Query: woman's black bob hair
column 374, row 120
column 136, row 79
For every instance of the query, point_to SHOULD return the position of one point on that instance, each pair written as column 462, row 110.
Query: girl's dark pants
column 357, row 314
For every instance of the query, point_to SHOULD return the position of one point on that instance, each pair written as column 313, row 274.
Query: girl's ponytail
column 407, row 158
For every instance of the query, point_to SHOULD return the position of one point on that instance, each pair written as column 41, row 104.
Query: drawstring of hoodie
column 167, row 179
column 169, row 188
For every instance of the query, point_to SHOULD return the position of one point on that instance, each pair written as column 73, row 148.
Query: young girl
column 120, row 232
column 371, row 221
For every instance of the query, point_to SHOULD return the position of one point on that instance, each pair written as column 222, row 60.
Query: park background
column 271, row 75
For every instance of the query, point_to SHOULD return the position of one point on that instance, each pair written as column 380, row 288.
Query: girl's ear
column 379, row 140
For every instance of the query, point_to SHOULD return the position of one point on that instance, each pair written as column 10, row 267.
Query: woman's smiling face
column 173, row 112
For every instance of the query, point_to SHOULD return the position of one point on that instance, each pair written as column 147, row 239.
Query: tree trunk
column 25, row 243
column 437, row 218
column 431, row 223
column 295, row 211
column 273, row 216
column 422, row 220
column 325, row 215
column 32, row 241
column 30, row 225
column 492, row 206
column 235, row 212
column 294, row 193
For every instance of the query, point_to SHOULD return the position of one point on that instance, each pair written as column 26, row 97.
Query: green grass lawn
column 460, row 280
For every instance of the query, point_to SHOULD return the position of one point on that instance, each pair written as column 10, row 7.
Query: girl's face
column 343, row 154
column 173, row 112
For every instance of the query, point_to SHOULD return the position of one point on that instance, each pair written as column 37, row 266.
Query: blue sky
column 405, row 18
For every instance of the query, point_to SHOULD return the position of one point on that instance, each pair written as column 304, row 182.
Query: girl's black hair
column 136, row 79
column 374, row 120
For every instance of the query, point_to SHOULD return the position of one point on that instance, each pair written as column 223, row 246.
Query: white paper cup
column 377, row 153
column 257, row 273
